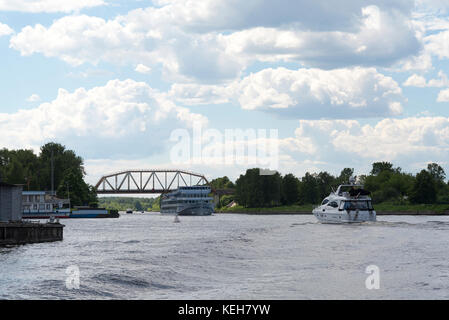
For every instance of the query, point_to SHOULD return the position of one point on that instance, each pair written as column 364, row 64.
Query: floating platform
column 16, row 233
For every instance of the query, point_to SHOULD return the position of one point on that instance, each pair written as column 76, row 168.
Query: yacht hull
column 345, row 217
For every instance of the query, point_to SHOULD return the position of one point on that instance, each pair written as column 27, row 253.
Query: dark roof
column 4, row 184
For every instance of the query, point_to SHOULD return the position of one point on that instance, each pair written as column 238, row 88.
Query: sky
column 116, row 80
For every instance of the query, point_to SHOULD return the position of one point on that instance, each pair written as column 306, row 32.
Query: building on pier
column 14, row 231
column 10, row 202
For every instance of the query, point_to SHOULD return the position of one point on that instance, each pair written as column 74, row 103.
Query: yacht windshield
column 361, row 205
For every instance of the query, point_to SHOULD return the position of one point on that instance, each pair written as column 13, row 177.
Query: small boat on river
column 350, row 203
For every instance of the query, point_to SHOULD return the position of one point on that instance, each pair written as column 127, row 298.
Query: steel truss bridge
column 148, row 181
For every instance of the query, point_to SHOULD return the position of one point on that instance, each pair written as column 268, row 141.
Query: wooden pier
column 16, row 233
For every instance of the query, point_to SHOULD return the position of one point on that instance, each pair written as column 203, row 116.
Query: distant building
column 42, row 201
column 43, row 205
column 10, row 202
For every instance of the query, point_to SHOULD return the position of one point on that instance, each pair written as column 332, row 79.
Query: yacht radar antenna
column 352, row 180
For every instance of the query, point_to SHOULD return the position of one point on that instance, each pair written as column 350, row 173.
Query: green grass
column 388, row 207
column 293, row 208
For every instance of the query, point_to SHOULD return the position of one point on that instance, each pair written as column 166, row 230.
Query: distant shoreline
column 381, row 213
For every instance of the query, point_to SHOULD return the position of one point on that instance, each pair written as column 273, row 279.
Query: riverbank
column 380, row 213
column 381, row 209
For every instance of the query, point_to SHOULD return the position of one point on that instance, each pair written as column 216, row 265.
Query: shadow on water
column 303, row 224
column 433, row 225
column 8, row 249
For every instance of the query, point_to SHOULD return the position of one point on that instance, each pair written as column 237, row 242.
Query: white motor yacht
column 350, row 203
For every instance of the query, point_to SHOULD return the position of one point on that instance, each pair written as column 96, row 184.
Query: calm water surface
column 147, row 256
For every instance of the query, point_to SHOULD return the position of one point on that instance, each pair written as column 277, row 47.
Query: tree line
column 34, row 172
column 124, row 203
column 386, row 183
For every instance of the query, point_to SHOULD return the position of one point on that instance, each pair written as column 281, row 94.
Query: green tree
column 15, row 172
column 436, row 172
column 272, row 189
column 249, row 192
column 325, row 181
column 290, row 191
column 439, row 176
column 424, row 188
column 345, row 174
column 63, row 160
column 308, row 190
column 72, row 185
column 255, row 190
column 138, row 205
column 379, row 167
column 222, row 183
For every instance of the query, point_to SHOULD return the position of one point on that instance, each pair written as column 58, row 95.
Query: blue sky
column 112, row 79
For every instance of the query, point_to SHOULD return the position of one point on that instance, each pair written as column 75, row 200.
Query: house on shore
column 14, row 231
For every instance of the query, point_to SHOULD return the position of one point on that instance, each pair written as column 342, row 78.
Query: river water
column 227, row 256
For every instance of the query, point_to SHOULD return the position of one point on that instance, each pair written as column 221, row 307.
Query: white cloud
column 127, row 40
column 5, row 30
column 198, row 40
column 432, row 6
column 383, row 38
column 77, row 39
column 408, row 139
column 34, row 98
column 327, row 145
column 48, row 5
column 437, row 44
column 416, row 81
column 419, row 81
column 442, row 81
column 122, row 117
column 141, row 68
column 429, row 20
column 318, row 15
column 443, row 96
column 305, row 93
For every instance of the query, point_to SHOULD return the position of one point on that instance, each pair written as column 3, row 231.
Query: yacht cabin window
column 333, row 204
column 361, row 205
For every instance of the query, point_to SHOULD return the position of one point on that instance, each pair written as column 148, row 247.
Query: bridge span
column 148, row 181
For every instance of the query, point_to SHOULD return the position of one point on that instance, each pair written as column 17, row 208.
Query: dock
column 14, row 230
column 17, row 233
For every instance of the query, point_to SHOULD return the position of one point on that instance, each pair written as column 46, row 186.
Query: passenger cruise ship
column 188, row 201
